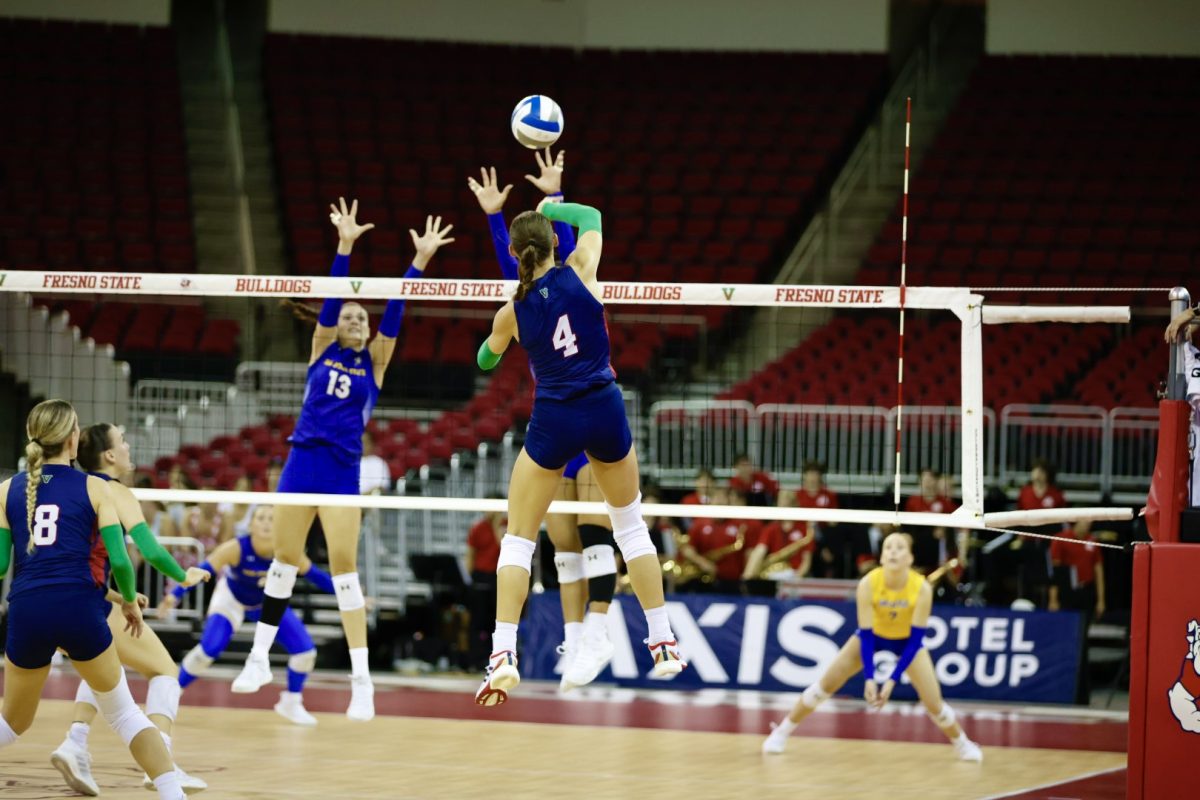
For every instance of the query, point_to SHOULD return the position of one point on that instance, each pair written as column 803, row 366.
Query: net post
column 1176, row 379
column 972, row 404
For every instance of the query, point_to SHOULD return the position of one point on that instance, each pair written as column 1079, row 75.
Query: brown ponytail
column 301, row 311
column 48, row 426
column 532, row 238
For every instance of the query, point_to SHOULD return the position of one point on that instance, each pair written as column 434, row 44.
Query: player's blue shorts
column 594, row 422
column 320, row 468
column 574, row 465
column 40, row 622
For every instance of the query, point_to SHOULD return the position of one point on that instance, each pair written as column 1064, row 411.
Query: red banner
column 1164, row 681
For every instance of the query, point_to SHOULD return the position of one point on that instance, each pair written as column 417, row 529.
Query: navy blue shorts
column 73, row 618
column 574, row 465
column 319, row 468
column 594, row 422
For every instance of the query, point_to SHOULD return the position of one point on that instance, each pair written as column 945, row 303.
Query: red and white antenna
column 903, row 285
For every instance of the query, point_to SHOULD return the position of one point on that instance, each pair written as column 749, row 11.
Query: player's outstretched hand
column 196, row 575
column 870, row 693
column 549, row 179
column 346, row 222
column 885, row 692
column 132, row 612
column 428, row 243
column 488, row 192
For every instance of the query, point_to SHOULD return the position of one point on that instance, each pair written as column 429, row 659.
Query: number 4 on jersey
column 564, row 338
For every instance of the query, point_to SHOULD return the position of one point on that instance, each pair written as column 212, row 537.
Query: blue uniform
column 248, row 579
column 55, row 599
column 339, row 396
column 577, row 403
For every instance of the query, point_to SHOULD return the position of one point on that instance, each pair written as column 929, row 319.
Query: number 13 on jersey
column 564, row 337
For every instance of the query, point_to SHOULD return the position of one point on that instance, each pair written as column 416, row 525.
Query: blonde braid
column 34, row 455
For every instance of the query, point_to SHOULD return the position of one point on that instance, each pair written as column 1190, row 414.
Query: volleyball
column 537, row 121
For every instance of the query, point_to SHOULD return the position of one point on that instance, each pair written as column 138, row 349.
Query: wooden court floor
column 252, row 753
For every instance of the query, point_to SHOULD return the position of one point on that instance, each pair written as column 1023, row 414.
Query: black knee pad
column 590, row 535
column 599, row 562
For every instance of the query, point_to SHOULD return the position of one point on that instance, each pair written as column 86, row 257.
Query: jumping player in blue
column 344, row 378
column 558, row 317
column 52, row 514
column 583, row 545
column 242, row 565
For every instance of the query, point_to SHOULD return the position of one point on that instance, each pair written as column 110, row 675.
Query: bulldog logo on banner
column 1184, row 693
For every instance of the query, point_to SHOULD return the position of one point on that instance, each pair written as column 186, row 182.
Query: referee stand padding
column 1164, row 682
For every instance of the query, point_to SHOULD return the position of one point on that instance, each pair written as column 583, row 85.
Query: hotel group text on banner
column 785, row 645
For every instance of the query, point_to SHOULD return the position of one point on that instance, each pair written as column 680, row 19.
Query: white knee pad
column 121, row 713
column 281, row 579
column 84, row 695
column 303, row 662
column 944, row 718
column 348, row 591
column 630, row 531
column 516, row 551
column 814, row 695
column 163, row 696
column 599, row 560
column 197, row 661
column 569, row 566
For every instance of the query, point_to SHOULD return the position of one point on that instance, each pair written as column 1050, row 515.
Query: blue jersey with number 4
column 562, row 327
column 64, row 531
column 338, row 399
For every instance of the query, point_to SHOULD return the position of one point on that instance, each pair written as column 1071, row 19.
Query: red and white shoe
column 667, row 659
column 501, row 678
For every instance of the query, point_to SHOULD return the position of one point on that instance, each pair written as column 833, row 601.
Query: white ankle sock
column 78, row 733
column 595, row 625
column 7, row 734
column 264, row 637
column 505, row 637
column 168, row 786
column 573, row 630
column 358, row 662
column 660, row 626
column 785, row 726
column 291, row 698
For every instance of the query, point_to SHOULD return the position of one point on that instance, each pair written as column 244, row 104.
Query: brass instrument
column 685, row 571
column 777, row 562
column 937, row 574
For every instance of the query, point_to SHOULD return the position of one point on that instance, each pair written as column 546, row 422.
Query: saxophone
column 685, row 571
column 778, row 561
column 937, row 574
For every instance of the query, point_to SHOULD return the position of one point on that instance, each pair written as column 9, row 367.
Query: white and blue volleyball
column 537, row 121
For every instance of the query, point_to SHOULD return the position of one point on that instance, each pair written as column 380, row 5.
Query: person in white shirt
column 374, row 477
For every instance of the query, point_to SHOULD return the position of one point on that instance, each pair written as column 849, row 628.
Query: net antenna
column 903, row 287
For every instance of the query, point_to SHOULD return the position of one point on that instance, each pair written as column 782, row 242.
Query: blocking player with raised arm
column 583, row 545
column 52, row 515
column 241, row 565
column 894, row 602
column 104, row 454
column 557, row 316
column 345, row 374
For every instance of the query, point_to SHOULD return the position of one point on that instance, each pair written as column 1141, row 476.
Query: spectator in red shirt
column 1078, row 585
column 709, row 535
column 1041, row 491
column 702, row 495
column 1030, row 554
column 758, row 487
column 483, row 543
column 833, row 556
column 483, row 551
column 777, row 535
column 931, row 546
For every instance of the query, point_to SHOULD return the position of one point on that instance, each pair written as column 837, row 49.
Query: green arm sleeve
column 155, row 553
column 5, row 550
column 583, row 217
column 486, row 358
column 114, row 542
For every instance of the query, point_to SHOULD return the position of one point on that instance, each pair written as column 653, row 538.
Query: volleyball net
column 785, row 377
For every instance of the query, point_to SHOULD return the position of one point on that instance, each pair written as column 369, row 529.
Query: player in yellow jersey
column 893, row 607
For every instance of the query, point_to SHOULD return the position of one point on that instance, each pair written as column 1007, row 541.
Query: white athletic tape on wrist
column 814, row 695
column 84, row 695
column 630, row 531
column 516, row 551
column 197, row 661
column 944, row 718
column 121, row 713
column 348, row 591
column 162, row 696
column 281, row 578
column 599, row 560
column 303, row 662
column 569, row 567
